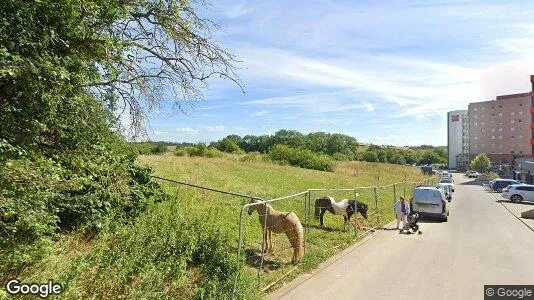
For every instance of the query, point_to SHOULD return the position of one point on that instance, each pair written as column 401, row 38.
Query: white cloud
column 259, row 113
column 187, row 130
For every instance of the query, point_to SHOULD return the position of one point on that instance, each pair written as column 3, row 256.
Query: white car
column 519, row 192
column 447, row 191
column 430, row 201
column 472, row 174
column 447, row 182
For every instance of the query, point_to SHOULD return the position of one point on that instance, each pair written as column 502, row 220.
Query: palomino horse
column 344, row 207
column 278, row 222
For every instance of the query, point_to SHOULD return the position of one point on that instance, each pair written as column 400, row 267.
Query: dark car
column 499, row 184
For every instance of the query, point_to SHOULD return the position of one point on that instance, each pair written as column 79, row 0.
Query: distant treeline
column 317, row 150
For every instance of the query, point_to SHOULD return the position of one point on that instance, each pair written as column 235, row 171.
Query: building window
column 521, row 113
column 492, row 137
column 520, row 104
column 512, row 136
column 500, row 106
column 482, row 123
column 475, row 123
column 476, row 137
column 482, row 108
column 475, row 116
column 483, row 130
column 475, row 109
column 492, row 152
column 520, row 121
column 492, row 107
column 493, row 130
column 482, row 116
column 500, row 114
column 500, row 129
column 521, row 136
column 512, row 152
column 492, row 114
column 500, row 137
column 512, row 113
column 512, row 129
column 512, row 121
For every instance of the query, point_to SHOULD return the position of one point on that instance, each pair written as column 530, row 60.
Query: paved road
column 482, row 243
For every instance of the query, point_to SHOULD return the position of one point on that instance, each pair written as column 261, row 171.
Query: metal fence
column 268, row 266
column 249, row 234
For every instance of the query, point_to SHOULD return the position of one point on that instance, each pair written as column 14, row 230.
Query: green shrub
column 203, row 151
column 159, row 149
column 180, row 152
column 90, row 189
column 301, row 158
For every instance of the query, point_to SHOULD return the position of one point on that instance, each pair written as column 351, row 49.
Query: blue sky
column 385, row 72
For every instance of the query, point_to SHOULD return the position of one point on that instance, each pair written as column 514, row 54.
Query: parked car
column 447, row 191
column 472, row 174
column 446, row 181
column 499, row 184
column 519, row 192
column 430, row 201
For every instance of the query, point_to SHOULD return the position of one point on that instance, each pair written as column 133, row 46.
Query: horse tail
column 296, row 237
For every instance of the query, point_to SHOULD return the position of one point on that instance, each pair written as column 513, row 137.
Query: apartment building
column 502, row 128
column 457, row 139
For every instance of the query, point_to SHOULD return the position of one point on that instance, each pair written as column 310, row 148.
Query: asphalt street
column 482, row 243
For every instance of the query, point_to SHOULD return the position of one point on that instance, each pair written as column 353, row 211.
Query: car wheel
column 445, row 219
column 516, row 198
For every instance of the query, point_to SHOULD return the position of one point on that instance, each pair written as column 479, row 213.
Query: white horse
column 345, row 207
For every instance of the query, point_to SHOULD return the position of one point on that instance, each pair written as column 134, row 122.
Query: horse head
column 362, row 209
column 255, row 203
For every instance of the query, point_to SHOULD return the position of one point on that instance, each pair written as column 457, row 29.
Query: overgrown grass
column 186, row 247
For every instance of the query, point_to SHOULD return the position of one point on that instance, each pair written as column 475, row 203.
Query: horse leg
column 270, row 241
column 345, row 223
column 265, row 242
column 321, row 215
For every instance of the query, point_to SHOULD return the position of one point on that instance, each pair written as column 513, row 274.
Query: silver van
column 431, row 202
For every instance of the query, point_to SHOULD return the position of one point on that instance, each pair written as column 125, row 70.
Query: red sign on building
column 455, row 118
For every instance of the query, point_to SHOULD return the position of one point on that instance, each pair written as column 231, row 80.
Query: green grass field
column 268, row 181
column 129, row 262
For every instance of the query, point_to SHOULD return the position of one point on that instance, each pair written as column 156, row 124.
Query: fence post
column 404, row 188
column 394, row 196
column 239, row 245
column 307, row 221
column 355, row 214
column 266, row 212
column 376, row 210
column 308, row 227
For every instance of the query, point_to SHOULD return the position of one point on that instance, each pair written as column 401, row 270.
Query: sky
column 384, row 72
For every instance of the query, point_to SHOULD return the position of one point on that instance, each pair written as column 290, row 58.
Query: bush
column 180, row 152
column 340, row 157
column 481, row 163
column 159, row 149
column 89, row 189
column 203, row 151
column 301, row 158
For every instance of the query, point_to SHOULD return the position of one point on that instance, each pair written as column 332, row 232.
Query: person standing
column 402, row 210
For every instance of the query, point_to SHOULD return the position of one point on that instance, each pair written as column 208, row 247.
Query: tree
column 370, row 156
column 128, row 54
column 481, row 163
